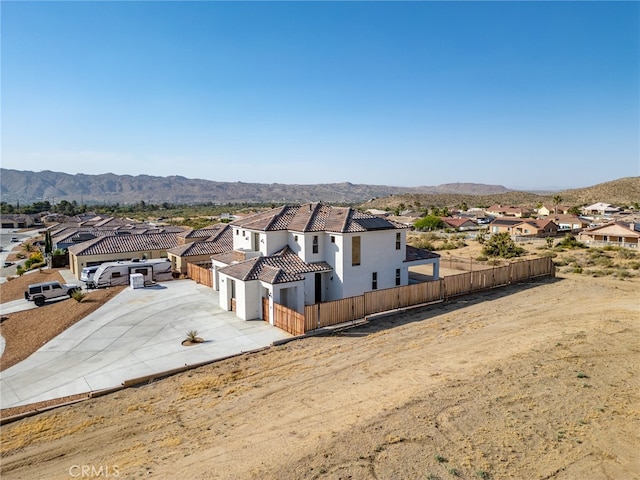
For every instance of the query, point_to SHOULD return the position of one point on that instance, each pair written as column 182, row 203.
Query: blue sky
column 522, row 94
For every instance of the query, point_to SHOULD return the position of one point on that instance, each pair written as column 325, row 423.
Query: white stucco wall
column 377, row 254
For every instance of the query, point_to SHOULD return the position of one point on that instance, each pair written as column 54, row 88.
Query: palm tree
column 556, row 201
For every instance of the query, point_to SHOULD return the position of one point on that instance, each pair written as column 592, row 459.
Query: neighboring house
column 198, row 246
column 17, row 220
column 528, row 227
column 306, row 254
column 569, row 223
column 460, row 224
column 119, row 247
column 502, row 225
column 546, row 210
column 503, row 211
column 623, row 234
column 378, row 213
column 600, row 209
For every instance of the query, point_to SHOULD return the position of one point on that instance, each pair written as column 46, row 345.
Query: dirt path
column 536, row 381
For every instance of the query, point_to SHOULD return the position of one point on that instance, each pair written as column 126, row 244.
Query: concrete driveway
column 137, row 333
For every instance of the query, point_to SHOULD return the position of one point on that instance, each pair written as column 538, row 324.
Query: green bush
column 626, row 254
column 78, row 295
column 501, row 245
column 569, row 241
column 430, row 222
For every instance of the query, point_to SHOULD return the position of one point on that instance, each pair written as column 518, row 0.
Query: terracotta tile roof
column 281, row 267
column 457, row 222
column 412, row 254
column 227, row 258
column 125, row 243
column 315, row 217
column 220, row 242
column 208, row 232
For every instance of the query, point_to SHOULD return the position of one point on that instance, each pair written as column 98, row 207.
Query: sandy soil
column 535, row 381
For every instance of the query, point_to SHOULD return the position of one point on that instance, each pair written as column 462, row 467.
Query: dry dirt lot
column 534, row 381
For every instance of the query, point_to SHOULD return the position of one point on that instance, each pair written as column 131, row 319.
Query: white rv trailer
column 117, row 273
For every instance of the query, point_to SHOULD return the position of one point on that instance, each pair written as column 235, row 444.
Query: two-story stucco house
column 305, row 254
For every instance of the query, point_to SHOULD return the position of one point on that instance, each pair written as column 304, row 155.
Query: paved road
column 137, row 333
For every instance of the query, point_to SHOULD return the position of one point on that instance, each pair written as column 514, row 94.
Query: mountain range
column 28, row 187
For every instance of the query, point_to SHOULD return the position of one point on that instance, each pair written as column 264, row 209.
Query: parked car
column 39, row 293
column 7, row 264
column 14, row 239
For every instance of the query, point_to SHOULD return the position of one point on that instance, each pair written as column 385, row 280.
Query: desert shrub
column 20, row 271
column 626, row 254
column 577, row 269
column 610, row 248
column 601, row 261
column 633, row 265
column 192, row 336
column 447, row 245
column 622, row 273
column 501, row 245
column 482, row 258
column 549, row 241
column 569, row 241
column 549, row 254
column 78, row 295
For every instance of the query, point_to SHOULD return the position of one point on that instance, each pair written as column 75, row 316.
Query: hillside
column 420, row 394
column 29, row 187
column 624, row 191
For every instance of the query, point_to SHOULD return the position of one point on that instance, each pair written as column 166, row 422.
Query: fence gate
column 265, row 310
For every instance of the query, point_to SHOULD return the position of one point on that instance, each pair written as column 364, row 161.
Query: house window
column 333, row 239
column 397, row 240
column 374, row 281
column 237, row 232
column 243, row 233
column 315, row 244
column 295, row 238
column 355, row 251
column 397, row 276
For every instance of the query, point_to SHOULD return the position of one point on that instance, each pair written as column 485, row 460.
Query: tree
column 556, row 201
column 430, row 222
column 48, row 243
column 501, row 245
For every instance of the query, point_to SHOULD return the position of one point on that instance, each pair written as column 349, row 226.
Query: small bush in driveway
column 78, row 295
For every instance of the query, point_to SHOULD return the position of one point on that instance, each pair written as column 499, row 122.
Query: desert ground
column 532, row 381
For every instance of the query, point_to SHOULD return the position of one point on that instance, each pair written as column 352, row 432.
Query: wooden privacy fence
column 288, row 320
column 200, row 273
column 348, row 309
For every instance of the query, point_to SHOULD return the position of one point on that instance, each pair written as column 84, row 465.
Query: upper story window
column 374, row 281
column 237, row 232
column 315, row 244
column 333, row 239
column 355, row 251
column 398, row 240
